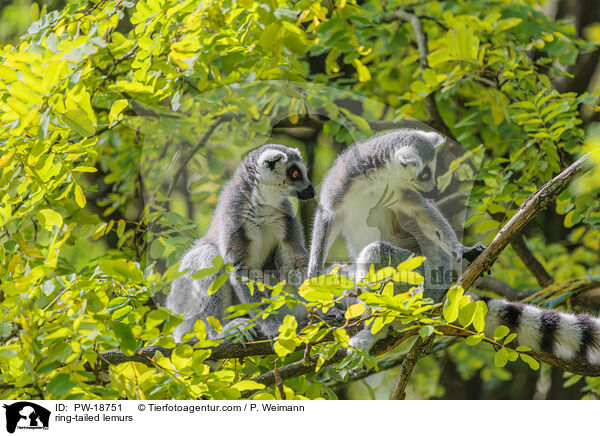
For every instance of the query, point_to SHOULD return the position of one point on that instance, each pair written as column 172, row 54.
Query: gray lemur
column 255, row 229
column 379, row 195
column 400, row 163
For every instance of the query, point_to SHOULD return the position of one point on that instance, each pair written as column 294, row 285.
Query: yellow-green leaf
column 49, row 218
column 79, row 196
column 116, row 109
column 355, row 310
column 77, row 120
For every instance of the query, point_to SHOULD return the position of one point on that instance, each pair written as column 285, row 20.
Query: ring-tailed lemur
column 381, row 189
column 255, row 229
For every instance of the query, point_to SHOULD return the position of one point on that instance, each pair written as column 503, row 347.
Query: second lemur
column 253, row 227
column 380, row 191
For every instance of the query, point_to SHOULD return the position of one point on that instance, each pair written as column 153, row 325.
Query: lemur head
column 416, row 158
column 282, row 167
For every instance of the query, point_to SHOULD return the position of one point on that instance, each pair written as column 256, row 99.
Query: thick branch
column 499, row 287
column 530, row 208
column 317, row 123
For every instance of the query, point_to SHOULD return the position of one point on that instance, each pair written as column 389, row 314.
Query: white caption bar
column 295, row 417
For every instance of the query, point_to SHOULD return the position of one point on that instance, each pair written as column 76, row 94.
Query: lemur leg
column 189, row 297
column 380, row 254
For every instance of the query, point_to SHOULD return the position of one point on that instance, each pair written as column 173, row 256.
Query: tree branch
column 499, row 287
column 531, row 262
column 310, row 122
column 421, row 348
column 188, row 157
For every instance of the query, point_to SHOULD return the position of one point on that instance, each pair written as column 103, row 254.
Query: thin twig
column 421, row 38
column 188, row 157
column 537, row 269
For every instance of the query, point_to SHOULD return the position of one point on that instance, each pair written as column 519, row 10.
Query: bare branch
column 499, row 287
column 531, row 262
column 421, row 38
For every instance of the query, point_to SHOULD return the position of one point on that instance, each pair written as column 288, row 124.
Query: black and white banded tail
column 564, row 335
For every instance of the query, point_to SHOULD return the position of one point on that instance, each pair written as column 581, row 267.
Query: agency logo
column 26, row 415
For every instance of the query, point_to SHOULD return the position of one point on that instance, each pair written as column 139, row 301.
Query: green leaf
column 217, row 283
column 355, row 310
column 479, row 316
column 501, row 357
column 182, row 356
column 475, row 339
column 411, row 264
column 533, row 364
column 116, row 109
column 214, row 323
column 79, row 196
column 127, row 341
column 467, row 313
column 121, row 269
column 248, row 385
column 205, row 272
column 49, row 218
column 363, row 72
column 121, row 313
column 426, row 331
column 77, row 120
column 500, row 332
column 60, row 385
column 452, row 304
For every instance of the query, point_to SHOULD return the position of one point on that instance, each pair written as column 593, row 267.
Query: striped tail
column 564, row 335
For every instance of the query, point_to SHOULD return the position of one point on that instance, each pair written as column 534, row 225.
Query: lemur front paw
column 471, row 253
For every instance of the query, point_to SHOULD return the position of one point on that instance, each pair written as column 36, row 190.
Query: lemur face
column 282, row 167
column 417, row 170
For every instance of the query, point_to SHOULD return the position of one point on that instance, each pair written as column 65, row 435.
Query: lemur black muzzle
column 307, row 194
column 433, row 194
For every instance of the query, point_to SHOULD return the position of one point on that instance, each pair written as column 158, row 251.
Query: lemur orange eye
column 294, row 172
column 425, row 175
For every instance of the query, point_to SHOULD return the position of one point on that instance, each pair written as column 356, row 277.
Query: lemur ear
column 434, row 138
column 407, row 156
column 269, row 158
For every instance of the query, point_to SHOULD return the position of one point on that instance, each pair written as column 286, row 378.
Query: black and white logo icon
column 26, row 415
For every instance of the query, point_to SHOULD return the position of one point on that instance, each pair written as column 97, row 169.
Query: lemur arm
column 325, row 230
column 431, row 223
column 291, row 254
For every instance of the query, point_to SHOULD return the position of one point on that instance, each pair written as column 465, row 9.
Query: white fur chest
column 363, row 206
column 264, row 225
